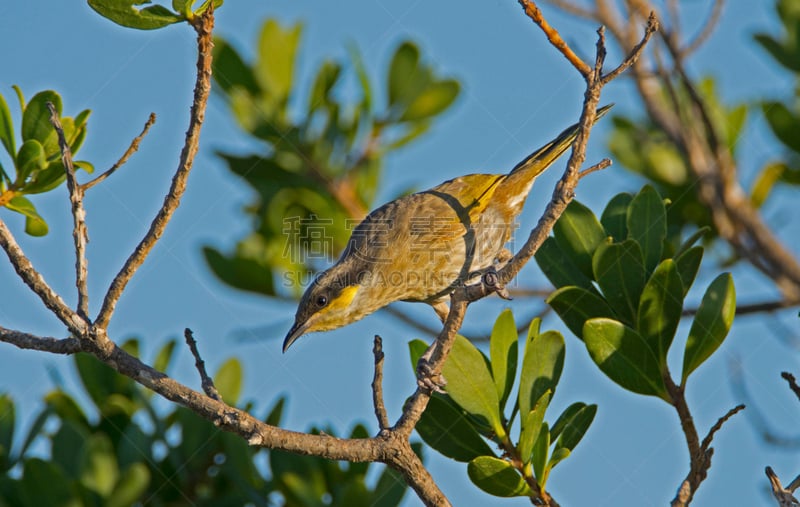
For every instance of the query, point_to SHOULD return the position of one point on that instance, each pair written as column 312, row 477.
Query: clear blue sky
column 517, row 92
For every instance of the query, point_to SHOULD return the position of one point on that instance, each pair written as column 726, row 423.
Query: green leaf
column 531, row 427
column 66, row 408
column 389, row 490
column 7, row 420
column 660, row 309
column 277, row 49
column 559, row 455
column 68, row 447
column 34, row 224
column 30, row 159
column 624, row 356
column 36, row 117
column 44, row 483
column 132, row 485
column 275, row 414
column 229, row 380
column 7, row 128
column 47, row 179
column 647, row 225
column 711, row 324
column 444, row 428
column 404, row 76
column 620, row 273
column 541, row 453
column 164, row 356
column 124, row 13
column 240, row 272
column 765, row 182
column 415, row 349
column 578, row 234
column 572, row 425
column 230, row 71
column 99, row 472
column 470, row 384
column 497, row 477
column 688, row 265
column 503, row 351
column 576, row 305
column 784, row 124
column 691, row 240
column 327, row 77
column 434, row 99
column 559, row 268
column 615, row 216
column 541, row 366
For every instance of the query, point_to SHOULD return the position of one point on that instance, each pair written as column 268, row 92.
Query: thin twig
column 207, row 382
column 706, row 444
column 533, row 12
column 751, row 308
column 33, row 279
column 203, row 26
column 792, row 383
column 597, row 167
column 633, row 56
column 377, row 386
column 708, row 28
column 133, row 148
column 80, row 234
column 575, row 10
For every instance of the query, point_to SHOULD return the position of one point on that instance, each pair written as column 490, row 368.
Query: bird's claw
column 491, row 280
column 428, row 379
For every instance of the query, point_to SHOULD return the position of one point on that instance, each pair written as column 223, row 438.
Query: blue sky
column 517, row 93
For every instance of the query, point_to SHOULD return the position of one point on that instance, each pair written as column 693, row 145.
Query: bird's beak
column 298, row 329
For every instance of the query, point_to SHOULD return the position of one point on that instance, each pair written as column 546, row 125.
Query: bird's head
column 326, row 305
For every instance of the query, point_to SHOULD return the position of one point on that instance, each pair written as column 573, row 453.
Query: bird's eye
column 322, row 301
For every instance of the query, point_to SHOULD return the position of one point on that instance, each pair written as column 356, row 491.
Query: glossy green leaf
column 576, row 305
column 541, row 454
column 444, row 428
column 691, row 240
column 44, row 483
column 647, row 225
column 572, row 425
column 7, row 421
column 660, row 309
column 578, row 233
column 389, row 490
column 125, row 13
column 624, row 356
column 541, row 366
column 36, row 117
column 7, row 128
column 240, row 272
column 615, row 217
column 34, row 223
column 47, row 179
column 688, row 265
column 620, row 273
column 531, row 426
column 559, row 268
column 559, row 455
column 277, row 50
column 230, row 72
column 99, row 471
column 31, row 158
column 229, row 380
column 497, row 477
column 416, row 348
column 434, row 99
column 131, row 486
column 503, row 351
column 470, row 383
column 404, row 74
column 711, row 323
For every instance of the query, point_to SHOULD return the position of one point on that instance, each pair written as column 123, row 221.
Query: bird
column 421, row 246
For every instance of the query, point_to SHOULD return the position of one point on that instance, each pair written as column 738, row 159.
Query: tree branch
column 203, row 25
column 533, row 12
column 377, row 386
column 80, row 234
column 205, row 381
column 40, row 343
column 133, row 148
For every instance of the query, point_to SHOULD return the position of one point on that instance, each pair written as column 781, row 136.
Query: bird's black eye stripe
column 322, row 301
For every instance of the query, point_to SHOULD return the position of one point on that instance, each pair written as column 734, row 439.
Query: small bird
column 421, row 246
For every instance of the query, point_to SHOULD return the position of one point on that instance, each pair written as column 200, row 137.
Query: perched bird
column 421, row 246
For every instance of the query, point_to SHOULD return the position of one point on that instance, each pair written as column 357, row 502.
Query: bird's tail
column 535, row 163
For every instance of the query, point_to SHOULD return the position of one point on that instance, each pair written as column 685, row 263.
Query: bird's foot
column 491, row 280
column 427, row 378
